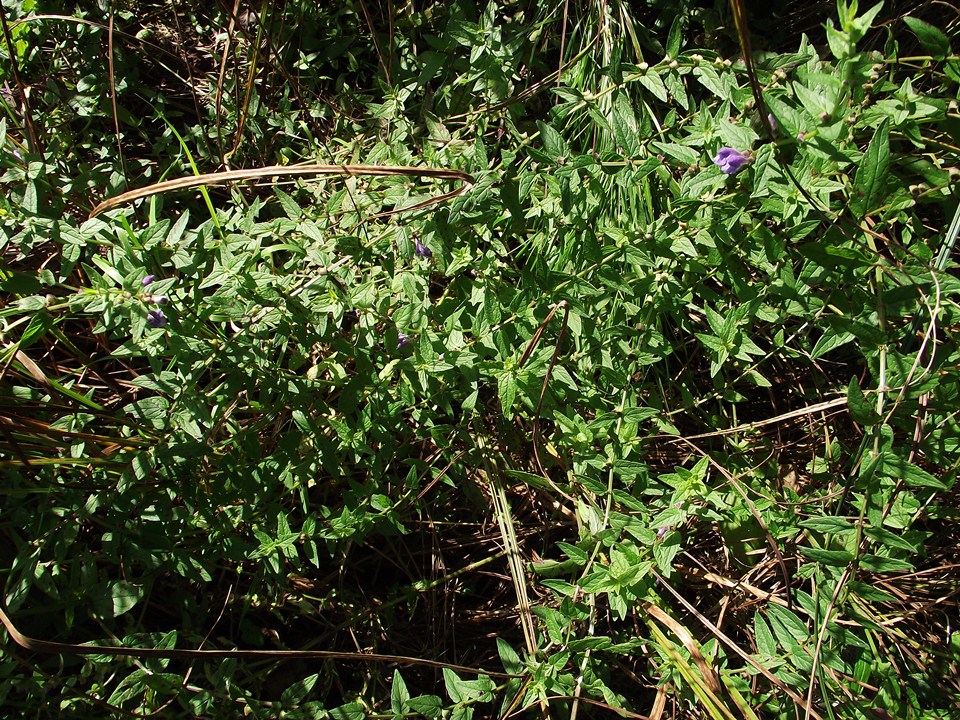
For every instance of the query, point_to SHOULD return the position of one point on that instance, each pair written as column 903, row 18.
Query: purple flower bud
column 156, row 319
column 730, row 161
column 801, row 136
column 402, row 340
column 773, row 123
column 161, row 299
column 422, row 250
column 147, row 280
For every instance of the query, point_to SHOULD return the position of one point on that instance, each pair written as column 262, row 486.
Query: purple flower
column 161, row 299
column 147, row 280
column 156, row 319
column 773, row 123
column 402, row 340
column 730, row 161
column 421, row 250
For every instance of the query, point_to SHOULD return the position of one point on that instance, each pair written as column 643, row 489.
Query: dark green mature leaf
column 299, row 690
column 625, row 127
column 836, row 558
column 931, row 38
column 896, row 467
column 861, row 410
column 131, row 686
column 789, row 629
column 457, row 689
column 508, row 656
column 652, row 82
column 39, row 324
column 831, row 340
column 878, row 564
column 507, row 390
column 766, row 645
column 350, row 711
column 675, row 35
column 871, row 175
column 430, row 706
column 553, row 143
column 831, row 525
column 891, row 539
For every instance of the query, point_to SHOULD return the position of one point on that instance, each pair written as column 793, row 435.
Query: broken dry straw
column 220, row 178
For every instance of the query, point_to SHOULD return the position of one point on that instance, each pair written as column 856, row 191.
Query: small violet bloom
column 730, row 161
column 773, row 123
column 422, row 250
column 402, row 340
column 147, row 280
column 156, row 319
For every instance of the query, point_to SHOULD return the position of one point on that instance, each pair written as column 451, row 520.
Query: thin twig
column 57, row 648
column 219, row 178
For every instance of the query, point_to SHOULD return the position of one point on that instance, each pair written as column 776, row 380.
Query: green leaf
column 652, row 82
column 561, row 587
column 507, row 390
column 871, row 175
column 878, row 564
column 861, row 410
column 870, row 593
column 350, row 711
column 509, row 657
column 289, row 205
column 399, row 695
column 789, row 629
column 598, row 581
column 573, row 552
column 553, row 143
column 831, row 339
column 675, row 35
column 455, row 686
column 625, row 127
column 839, row 41
column 36, row 328
column 835, row 558
column 125, row 596
column 931, row 38
column 899, row 469
column 678, row 90
column 890, row 539
column 429, row 706
column 462, row 712
column 831, row 525
column 128, row 688
column 299, row 690
column 858, row 26
column 680, row 153
column 766, row 645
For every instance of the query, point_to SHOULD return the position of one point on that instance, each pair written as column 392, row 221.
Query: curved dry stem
column 57, row 648
column 220, row 178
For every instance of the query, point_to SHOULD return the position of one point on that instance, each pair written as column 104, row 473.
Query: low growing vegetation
column 480, row 359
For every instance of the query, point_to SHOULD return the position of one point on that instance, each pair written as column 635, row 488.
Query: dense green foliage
column 701, row 416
